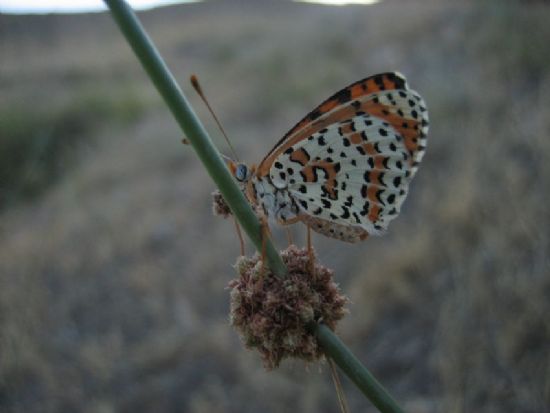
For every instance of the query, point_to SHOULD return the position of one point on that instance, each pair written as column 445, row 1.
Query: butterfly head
column 242, row 172
column 239, row 170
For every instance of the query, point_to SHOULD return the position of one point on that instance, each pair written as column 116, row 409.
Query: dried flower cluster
column 271, row 313
column 219, row 206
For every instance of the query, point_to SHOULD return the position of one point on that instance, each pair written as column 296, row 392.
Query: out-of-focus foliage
column 113, row 273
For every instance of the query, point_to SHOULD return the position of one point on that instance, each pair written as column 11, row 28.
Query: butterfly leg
column 286, row 222
column 310, row 248
column 265, row 233
column 240, row 235
column 289, row 237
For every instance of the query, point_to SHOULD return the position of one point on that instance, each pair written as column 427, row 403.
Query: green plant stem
column 353, row 368
column 167, row 86
column 210, row 157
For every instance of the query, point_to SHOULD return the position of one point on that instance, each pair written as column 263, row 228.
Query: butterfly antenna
column 195, row 82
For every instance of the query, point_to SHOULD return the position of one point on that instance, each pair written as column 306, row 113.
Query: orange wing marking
column 311, row 171
column 357, row 90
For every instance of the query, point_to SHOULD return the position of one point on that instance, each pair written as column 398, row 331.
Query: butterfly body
column 275, row 202
column 345, row 169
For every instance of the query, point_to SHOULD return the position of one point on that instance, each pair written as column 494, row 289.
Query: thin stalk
column 353, row 368
column 214, row 164
column 167, row 86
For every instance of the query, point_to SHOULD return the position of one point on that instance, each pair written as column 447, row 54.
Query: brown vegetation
column 113, row 274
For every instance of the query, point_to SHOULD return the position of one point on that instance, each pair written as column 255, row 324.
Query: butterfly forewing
column 349, row 97
column 357, row 173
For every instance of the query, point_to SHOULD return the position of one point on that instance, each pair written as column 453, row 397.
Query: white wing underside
column 351, row 207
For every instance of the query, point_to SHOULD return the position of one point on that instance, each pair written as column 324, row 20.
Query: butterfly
column 344, row 170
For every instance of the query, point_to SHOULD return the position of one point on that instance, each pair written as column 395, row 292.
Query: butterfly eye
column 241, row 172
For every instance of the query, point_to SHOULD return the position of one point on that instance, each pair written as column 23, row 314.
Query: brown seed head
column 271, row 313
column 219, row 206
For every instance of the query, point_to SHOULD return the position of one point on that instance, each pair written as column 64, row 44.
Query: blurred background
column 113, row 271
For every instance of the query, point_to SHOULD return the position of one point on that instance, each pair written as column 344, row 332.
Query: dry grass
column 112, row 282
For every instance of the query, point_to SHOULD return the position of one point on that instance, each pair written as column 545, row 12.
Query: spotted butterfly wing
column 349, row 162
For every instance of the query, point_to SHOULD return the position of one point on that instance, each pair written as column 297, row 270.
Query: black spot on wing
column 365, row 209
column 379, row 196
column 326, row 203
column 397, row 80
column 345, row 214
column 364, row 191
column 343, row 95
column 314, row 114
column 366, row 176
column 379, row 80
column 397, row 181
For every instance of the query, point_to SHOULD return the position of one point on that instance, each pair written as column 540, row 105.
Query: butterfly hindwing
column 353, row 173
